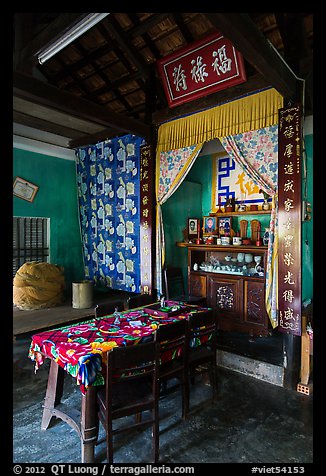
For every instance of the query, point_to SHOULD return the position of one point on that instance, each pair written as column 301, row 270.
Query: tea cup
column 248, row 257
column 237, row 240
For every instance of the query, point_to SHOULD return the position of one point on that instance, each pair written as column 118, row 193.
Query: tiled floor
column 251, row 422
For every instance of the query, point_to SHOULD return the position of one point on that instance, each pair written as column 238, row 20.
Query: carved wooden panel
column 254, row 303
column 197, row 285
column 224, row 295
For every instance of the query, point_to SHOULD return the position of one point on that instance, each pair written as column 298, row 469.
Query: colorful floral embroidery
column 171, row 163
column 257, row 152
column 82, row 357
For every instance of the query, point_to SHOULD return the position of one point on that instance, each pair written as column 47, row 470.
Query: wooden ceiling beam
column 250, row 41
column 46, row 126
column 297, row 52
column 93, row 138
column 146, row 37
column 186, row 33
column 29, row 88
column 105, row 79
column 79, row 64
column 124, row 43
column 145, row 25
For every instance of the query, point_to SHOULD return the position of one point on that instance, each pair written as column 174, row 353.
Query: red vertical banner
column 289, row 219
column 146, row 218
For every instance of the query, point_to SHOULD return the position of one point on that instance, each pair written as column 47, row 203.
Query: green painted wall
column 185, row 203
column 307, row 226
column 56, row 199
column 201, row 172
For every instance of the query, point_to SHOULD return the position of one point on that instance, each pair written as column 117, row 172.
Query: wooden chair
column 131, row 387
column 175, row 288
column 140, row 300
column 173, row 342
column 202, row 335
column 106, row 309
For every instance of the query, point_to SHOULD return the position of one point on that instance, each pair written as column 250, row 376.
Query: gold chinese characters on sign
column 289, row 206
column 146, row 219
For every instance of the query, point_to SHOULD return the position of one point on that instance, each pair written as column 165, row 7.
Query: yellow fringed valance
column 246, row 114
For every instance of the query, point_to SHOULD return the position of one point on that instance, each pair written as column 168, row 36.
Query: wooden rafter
column 186, row 33
column 145, row 25
column 47, row 126
column 125, row 44
column 248, row 39
column 93, row 138
column 146, row 37
column 31, row 89
column 107, row 83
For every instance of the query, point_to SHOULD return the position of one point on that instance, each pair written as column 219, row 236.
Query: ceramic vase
column 266, row 237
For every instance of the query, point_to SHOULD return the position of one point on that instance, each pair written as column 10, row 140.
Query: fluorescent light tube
column 70, row 35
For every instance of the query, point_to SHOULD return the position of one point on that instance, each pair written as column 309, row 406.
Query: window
column 30, row 240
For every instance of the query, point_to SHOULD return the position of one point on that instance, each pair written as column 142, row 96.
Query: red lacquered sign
column 202, row 68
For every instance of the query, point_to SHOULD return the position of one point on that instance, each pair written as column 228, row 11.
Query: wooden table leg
column 53, row 393
column 84, row 421
column 89, row 425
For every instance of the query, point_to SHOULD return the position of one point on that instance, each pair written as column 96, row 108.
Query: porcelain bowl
column 225, row 240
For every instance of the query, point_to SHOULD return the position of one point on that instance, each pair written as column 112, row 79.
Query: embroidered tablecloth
column 80, row 348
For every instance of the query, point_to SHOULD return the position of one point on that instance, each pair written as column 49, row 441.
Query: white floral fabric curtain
column 173, row 167
column 108, row 185
column 257, row 152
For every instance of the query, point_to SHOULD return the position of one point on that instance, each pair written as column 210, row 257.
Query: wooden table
column 26, row 321
column 84, row 421
column 77, row 349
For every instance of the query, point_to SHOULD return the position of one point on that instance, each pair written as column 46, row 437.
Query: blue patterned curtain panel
column 108, row 185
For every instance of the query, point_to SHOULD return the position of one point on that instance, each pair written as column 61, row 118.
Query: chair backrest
column 138, row 361
column 106, row 309
column 140, row 300
column 172, row 339
column 131, row 388
column 203, row 328
column 173, row 282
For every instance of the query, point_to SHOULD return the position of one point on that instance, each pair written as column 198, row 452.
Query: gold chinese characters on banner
column 289, row 200
column 146, row 218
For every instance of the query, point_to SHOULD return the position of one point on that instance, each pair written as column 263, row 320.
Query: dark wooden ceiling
column 105, row 83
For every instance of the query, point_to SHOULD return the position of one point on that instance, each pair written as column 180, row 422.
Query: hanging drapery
column 173, row 167
column 108, row 196
column 246, row 114
column 257, row 153
column 250, row 113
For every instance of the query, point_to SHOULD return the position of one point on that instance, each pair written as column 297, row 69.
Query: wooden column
column 291, row 352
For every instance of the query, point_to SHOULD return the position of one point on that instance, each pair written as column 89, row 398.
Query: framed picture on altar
column 209, row 225
column 224, row 226
column 193, row 227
